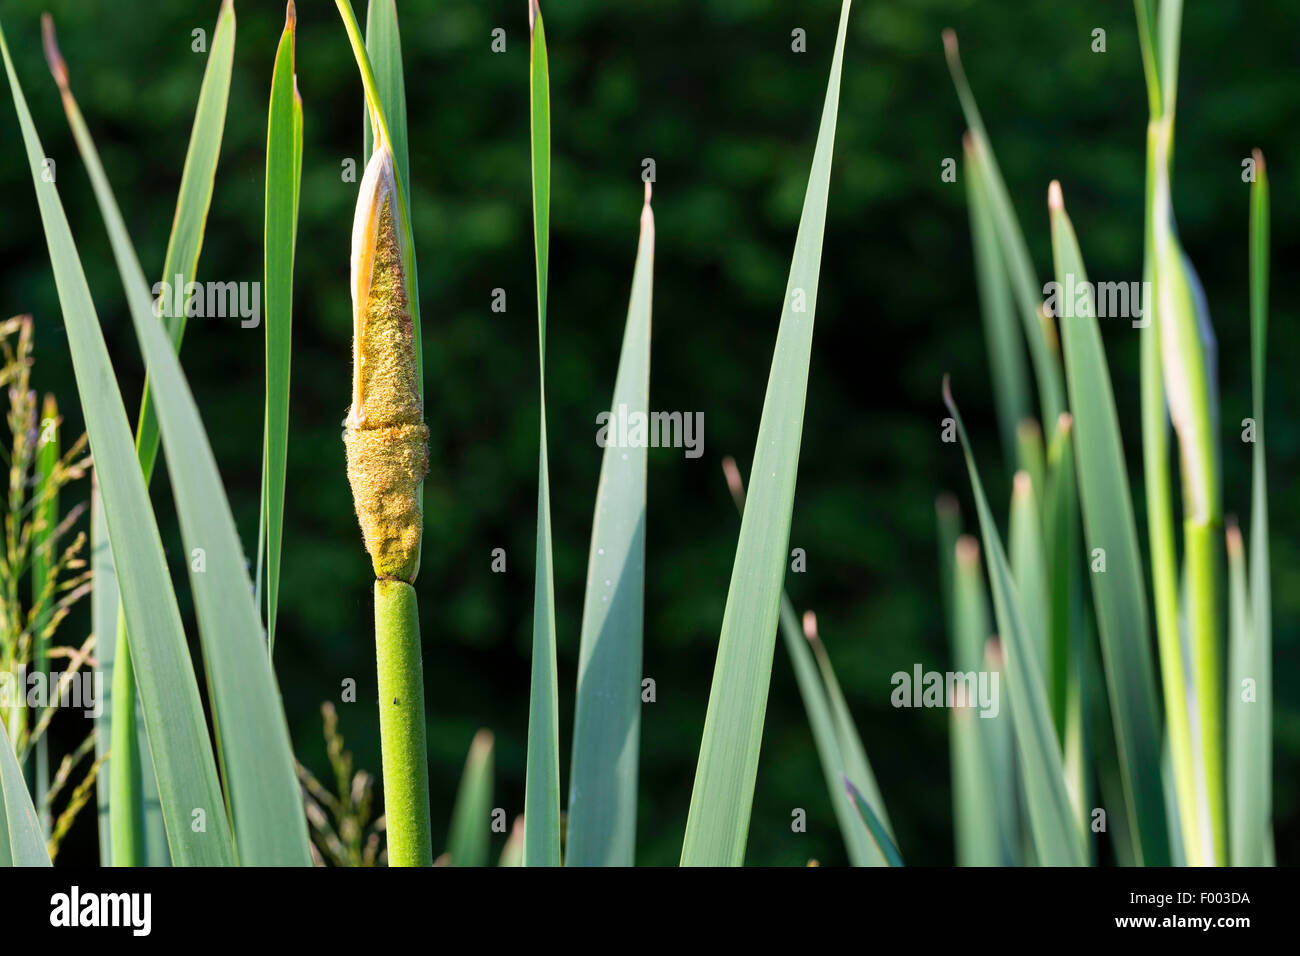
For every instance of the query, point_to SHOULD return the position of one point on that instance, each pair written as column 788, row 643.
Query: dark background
column 711, row 91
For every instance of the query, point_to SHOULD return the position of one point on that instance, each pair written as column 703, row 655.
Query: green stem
column 1160, row 530
column 126, row 794
column 401, row 725
column 1202, row 568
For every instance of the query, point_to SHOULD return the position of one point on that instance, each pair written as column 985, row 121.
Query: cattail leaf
column 822, row 718
column 871, row 820
column 22, row 844
column 607, row 721
column 257, row 759
column 1057, row 840
column 283, row 178
column 981, row 840
column 187, row 777
column 1029, row 563
column 471, row 818
column 861, row 849
column 1250, row 656
column 542, row 780
column 46, row 519
column 1111, row 534
column 856, row 765
column 386, row 113
column 192, row 204
column 262, row 787
column 1007, row 368
column 1014, row 250
column 138, row 813
column 384, row 47
column 104, row 611
column 1188, row 361
column 722, row 798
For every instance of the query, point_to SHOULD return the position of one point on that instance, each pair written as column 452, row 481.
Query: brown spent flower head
column 385, row 436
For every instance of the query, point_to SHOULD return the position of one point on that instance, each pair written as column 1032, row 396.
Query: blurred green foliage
column 712, row 91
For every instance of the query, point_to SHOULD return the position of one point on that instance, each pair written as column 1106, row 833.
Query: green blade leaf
column 542, row 781
column 607, row 721
column 1056, row 838
column 1029, row 562
column 1247, row 730
column 1002, row 335
column 22, row 841
column 873, row 823
column 722, row 799
column 512, row 854
column 257, row 759
column 104, row 612
column 861, row 850
column 46, row 520
column 384, row 46
column 386, row 111
column 977, row 817
column 856, row 765
column 467, row 844
column 192, row 203
column 187, row 777
column 283, row 178
column 1065, row 643
column 1250, row 725
column 1111, row 533
column 1014, row 250
column 103, row 624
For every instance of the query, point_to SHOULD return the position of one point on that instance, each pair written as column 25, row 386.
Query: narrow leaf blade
column 722, row 799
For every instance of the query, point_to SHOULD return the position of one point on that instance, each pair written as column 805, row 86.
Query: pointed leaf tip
column 1233, row 533
column 52, row 55
column 1055, row 200
column 734, row 483
column 968, row 550
column 950, row 43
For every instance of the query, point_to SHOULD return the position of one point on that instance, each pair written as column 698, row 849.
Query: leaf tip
column 1258, row 156
column 1055, row 200
column 947, row 392
column 1233, row 533
column 993, row 653
column 1021, row 485
column 52, row 55
column 810, row 626
column 734, row 483
column 967, row 551
column 534, row 11
column 950, row 43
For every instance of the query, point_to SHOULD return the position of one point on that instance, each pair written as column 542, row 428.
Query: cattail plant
column 1170, row 791
column 387, row 458
column 386, row 439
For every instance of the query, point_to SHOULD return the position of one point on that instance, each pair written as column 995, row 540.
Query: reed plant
column 1164, row 784
column 1180, row 774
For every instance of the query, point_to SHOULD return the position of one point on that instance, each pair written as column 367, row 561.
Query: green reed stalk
column 401, row 725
